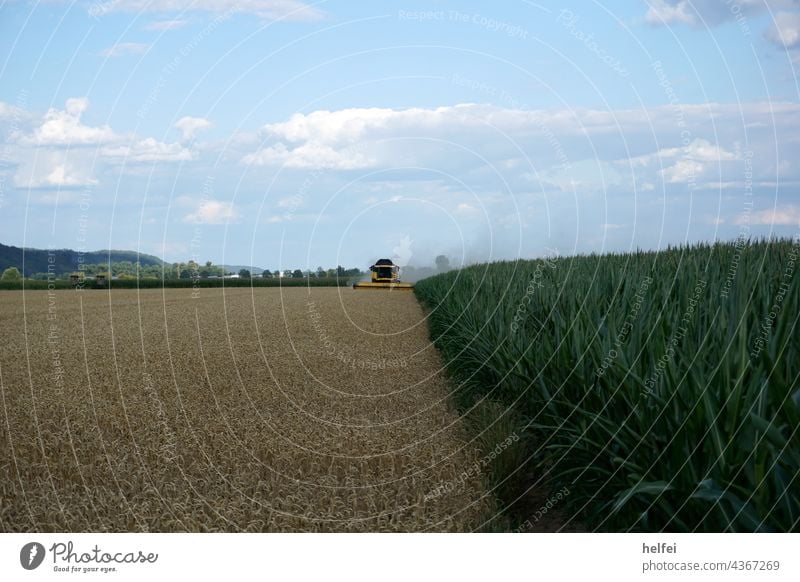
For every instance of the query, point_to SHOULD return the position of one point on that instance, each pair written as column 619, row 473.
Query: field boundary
column 37, row 284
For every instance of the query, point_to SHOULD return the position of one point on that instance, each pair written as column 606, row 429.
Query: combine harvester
column 385, row 275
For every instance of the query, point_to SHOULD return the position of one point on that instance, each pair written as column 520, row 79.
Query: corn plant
column 661, row 387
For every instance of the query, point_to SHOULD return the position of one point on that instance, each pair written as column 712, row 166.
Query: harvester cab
column 384, row 274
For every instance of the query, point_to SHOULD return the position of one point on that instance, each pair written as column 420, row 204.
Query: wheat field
column 295, row 409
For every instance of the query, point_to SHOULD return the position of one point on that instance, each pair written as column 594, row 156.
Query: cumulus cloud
column 55, row 169
column 664, row 12
column 339, row 139
column 64, row 128
column 307, row 156
column 62, row 151
column 212, row 212
column 698, row 149
column 703, row 13
column 780, row 216
column 354, row 126
column 598, row 145
column 351, row 125
column 63, row 175
column 268, row 9
column 699, row 159
column 683, row 171
column 125, row 48
column 8, row 111
column 702, row 149
column 189, row 126
column 147, row 150
column 785, row 30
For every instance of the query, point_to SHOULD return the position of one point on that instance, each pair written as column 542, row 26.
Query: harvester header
column 384, row 275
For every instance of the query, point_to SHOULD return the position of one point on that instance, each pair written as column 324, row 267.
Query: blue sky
column 286, row 134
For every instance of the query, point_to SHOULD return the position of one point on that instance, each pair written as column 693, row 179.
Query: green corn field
column 661, row 388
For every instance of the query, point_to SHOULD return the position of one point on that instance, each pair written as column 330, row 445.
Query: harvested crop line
column 235, row 410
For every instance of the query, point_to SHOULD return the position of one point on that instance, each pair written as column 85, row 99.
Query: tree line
column 133, row 270
column 180, row 270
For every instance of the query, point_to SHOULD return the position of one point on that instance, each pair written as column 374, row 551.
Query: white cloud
column 8, row 111
column 309, row 155
column 785, row 31
column 212, row 212
column 488, row 147
column 703, row 150
column 62, row 175
column 269, row 9
column 602, row 148
column 338, row 139
column 345, row 125
column 147, row 150
column 55, row 169
column 125, row 48
column 780, row 216
column 348, row 126
column 663, row 12
column 466, row 209
column 354, row 126
column 61, row 151
column 290, row 201
column 172, row 24
column 189, row 126
column 699, row 149
column 683, row 171
column 64, row 128
column 701, row 13
column 684, row 164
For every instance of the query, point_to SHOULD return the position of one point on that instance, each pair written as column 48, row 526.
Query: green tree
column 244, row 274
column 152, row 271
column 297, row 274
column 266, row 274
column 123, row 268
column 442, row 263
column 11, row 274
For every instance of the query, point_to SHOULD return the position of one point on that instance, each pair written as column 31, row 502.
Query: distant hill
column 65, row 260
